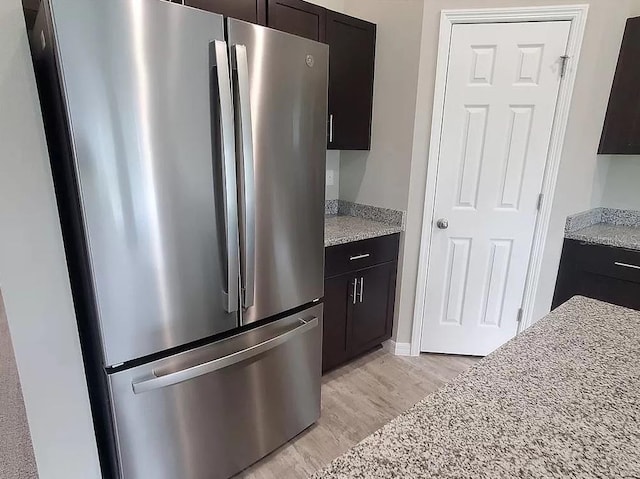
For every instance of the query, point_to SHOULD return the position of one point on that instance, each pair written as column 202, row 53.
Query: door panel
column 338, row 295
column 298, row 18
column 501, row 94
column 352, row 63
column 176, row 420
column 372, row 314
column 288, row 106
column 253, row 11
column 145, row 168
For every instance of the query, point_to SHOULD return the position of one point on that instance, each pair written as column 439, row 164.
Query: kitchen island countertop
column 560, row 400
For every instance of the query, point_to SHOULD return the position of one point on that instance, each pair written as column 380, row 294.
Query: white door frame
column 577, row 15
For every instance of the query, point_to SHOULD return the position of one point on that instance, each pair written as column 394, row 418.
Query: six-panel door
column 501, row 92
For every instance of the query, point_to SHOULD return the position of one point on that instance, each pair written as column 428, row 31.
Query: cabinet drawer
column 607, row 261
column 360, row 254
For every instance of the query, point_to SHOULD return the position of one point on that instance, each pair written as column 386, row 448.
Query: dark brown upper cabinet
column 30, row 8
column 621, row 132
column 298, row 18
column 352, row 45
column 253, row 11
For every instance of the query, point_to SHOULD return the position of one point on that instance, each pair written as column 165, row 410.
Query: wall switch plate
column 330, row 179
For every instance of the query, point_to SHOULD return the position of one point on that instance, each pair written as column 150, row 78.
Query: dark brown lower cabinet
column 599, row 272
column 359, row 304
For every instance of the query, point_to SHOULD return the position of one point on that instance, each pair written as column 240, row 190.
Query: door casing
column 577, row 15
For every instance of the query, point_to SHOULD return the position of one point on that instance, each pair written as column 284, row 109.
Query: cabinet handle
column 355, row 289
column 360, row 256
column 361, row 289
column 331, row 128
column 627, row 265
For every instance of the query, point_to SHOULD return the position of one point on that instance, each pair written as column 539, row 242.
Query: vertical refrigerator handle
column 219, row 59
column 247, row 184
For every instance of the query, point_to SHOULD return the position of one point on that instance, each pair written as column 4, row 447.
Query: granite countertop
column 560, row 400
column 605, row 226
column 346, row 222
column 608, row 235
column 345, row 229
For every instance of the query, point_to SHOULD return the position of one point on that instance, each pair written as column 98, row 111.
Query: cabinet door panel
column 599, row 272
column 298, row 18
column 621, row 131
column 351, row 70
column 372, row 316
column 253, row 11
column 338, row 301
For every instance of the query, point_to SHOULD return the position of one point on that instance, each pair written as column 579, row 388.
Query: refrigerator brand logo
column 310, row 61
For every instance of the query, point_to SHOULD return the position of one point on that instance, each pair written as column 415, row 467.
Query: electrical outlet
column 330, row 179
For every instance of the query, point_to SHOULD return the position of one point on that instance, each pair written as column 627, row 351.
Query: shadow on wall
column 16, row 451
column 353, row 167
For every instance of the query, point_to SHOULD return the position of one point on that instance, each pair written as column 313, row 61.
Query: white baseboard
column 397, row 349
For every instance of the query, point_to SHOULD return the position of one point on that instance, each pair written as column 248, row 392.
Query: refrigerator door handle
column 158, row 382
column 247, row 184
column 221, row 62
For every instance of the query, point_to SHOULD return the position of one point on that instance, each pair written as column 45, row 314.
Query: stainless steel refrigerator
column 188, row 153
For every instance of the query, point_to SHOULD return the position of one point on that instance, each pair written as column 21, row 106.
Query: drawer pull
column 360, row 256
column 627, row 265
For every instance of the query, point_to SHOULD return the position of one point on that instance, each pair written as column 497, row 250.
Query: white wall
column 380, row 177
column 621, row 187
column 33, row 274
column 399, row 182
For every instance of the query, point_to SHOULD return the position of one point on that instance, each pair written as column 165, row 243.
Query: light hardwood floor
column 358, row 399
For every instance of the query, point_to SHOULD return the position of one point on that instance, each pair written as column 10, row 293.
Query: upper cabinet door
column 352, row 44
column 621, row 132
column 298, row 18
column 253, row 11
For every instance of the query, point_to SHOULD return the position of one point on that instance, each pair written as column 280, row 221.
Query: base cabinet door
column 338, row 301
column 372, row 314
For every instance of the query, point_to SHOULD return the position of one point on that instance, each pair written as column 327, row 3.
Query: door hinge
column 519, row 317
column 539, row 204
column 564, row 59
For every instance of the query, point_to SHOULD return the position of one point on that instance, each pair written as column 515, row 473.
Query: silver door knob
column 442, row 223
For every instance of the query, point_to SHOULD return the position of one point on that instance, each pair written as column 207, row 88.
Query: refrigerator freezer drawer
column 210, row 412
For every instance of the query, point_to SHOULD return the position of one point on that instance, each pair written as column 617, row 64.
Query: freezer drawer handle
column 158, row 382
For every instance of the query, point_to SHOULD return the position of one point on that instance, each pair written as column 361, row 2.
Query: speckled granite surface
column 346, row 222
column 374, row 213
column 606, row 226
column 561, row 400
column 331, row 207
column 345, row 229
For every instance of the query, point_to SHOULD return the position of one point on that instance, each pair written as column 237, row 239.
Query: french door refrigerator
column 188, row 156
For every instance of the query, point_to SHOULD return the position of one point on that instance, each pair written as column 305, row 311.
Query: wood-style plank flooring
column 358, row 399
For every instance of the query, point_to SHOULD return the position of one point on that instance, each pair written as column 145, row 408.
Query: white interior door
column 501, row 92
